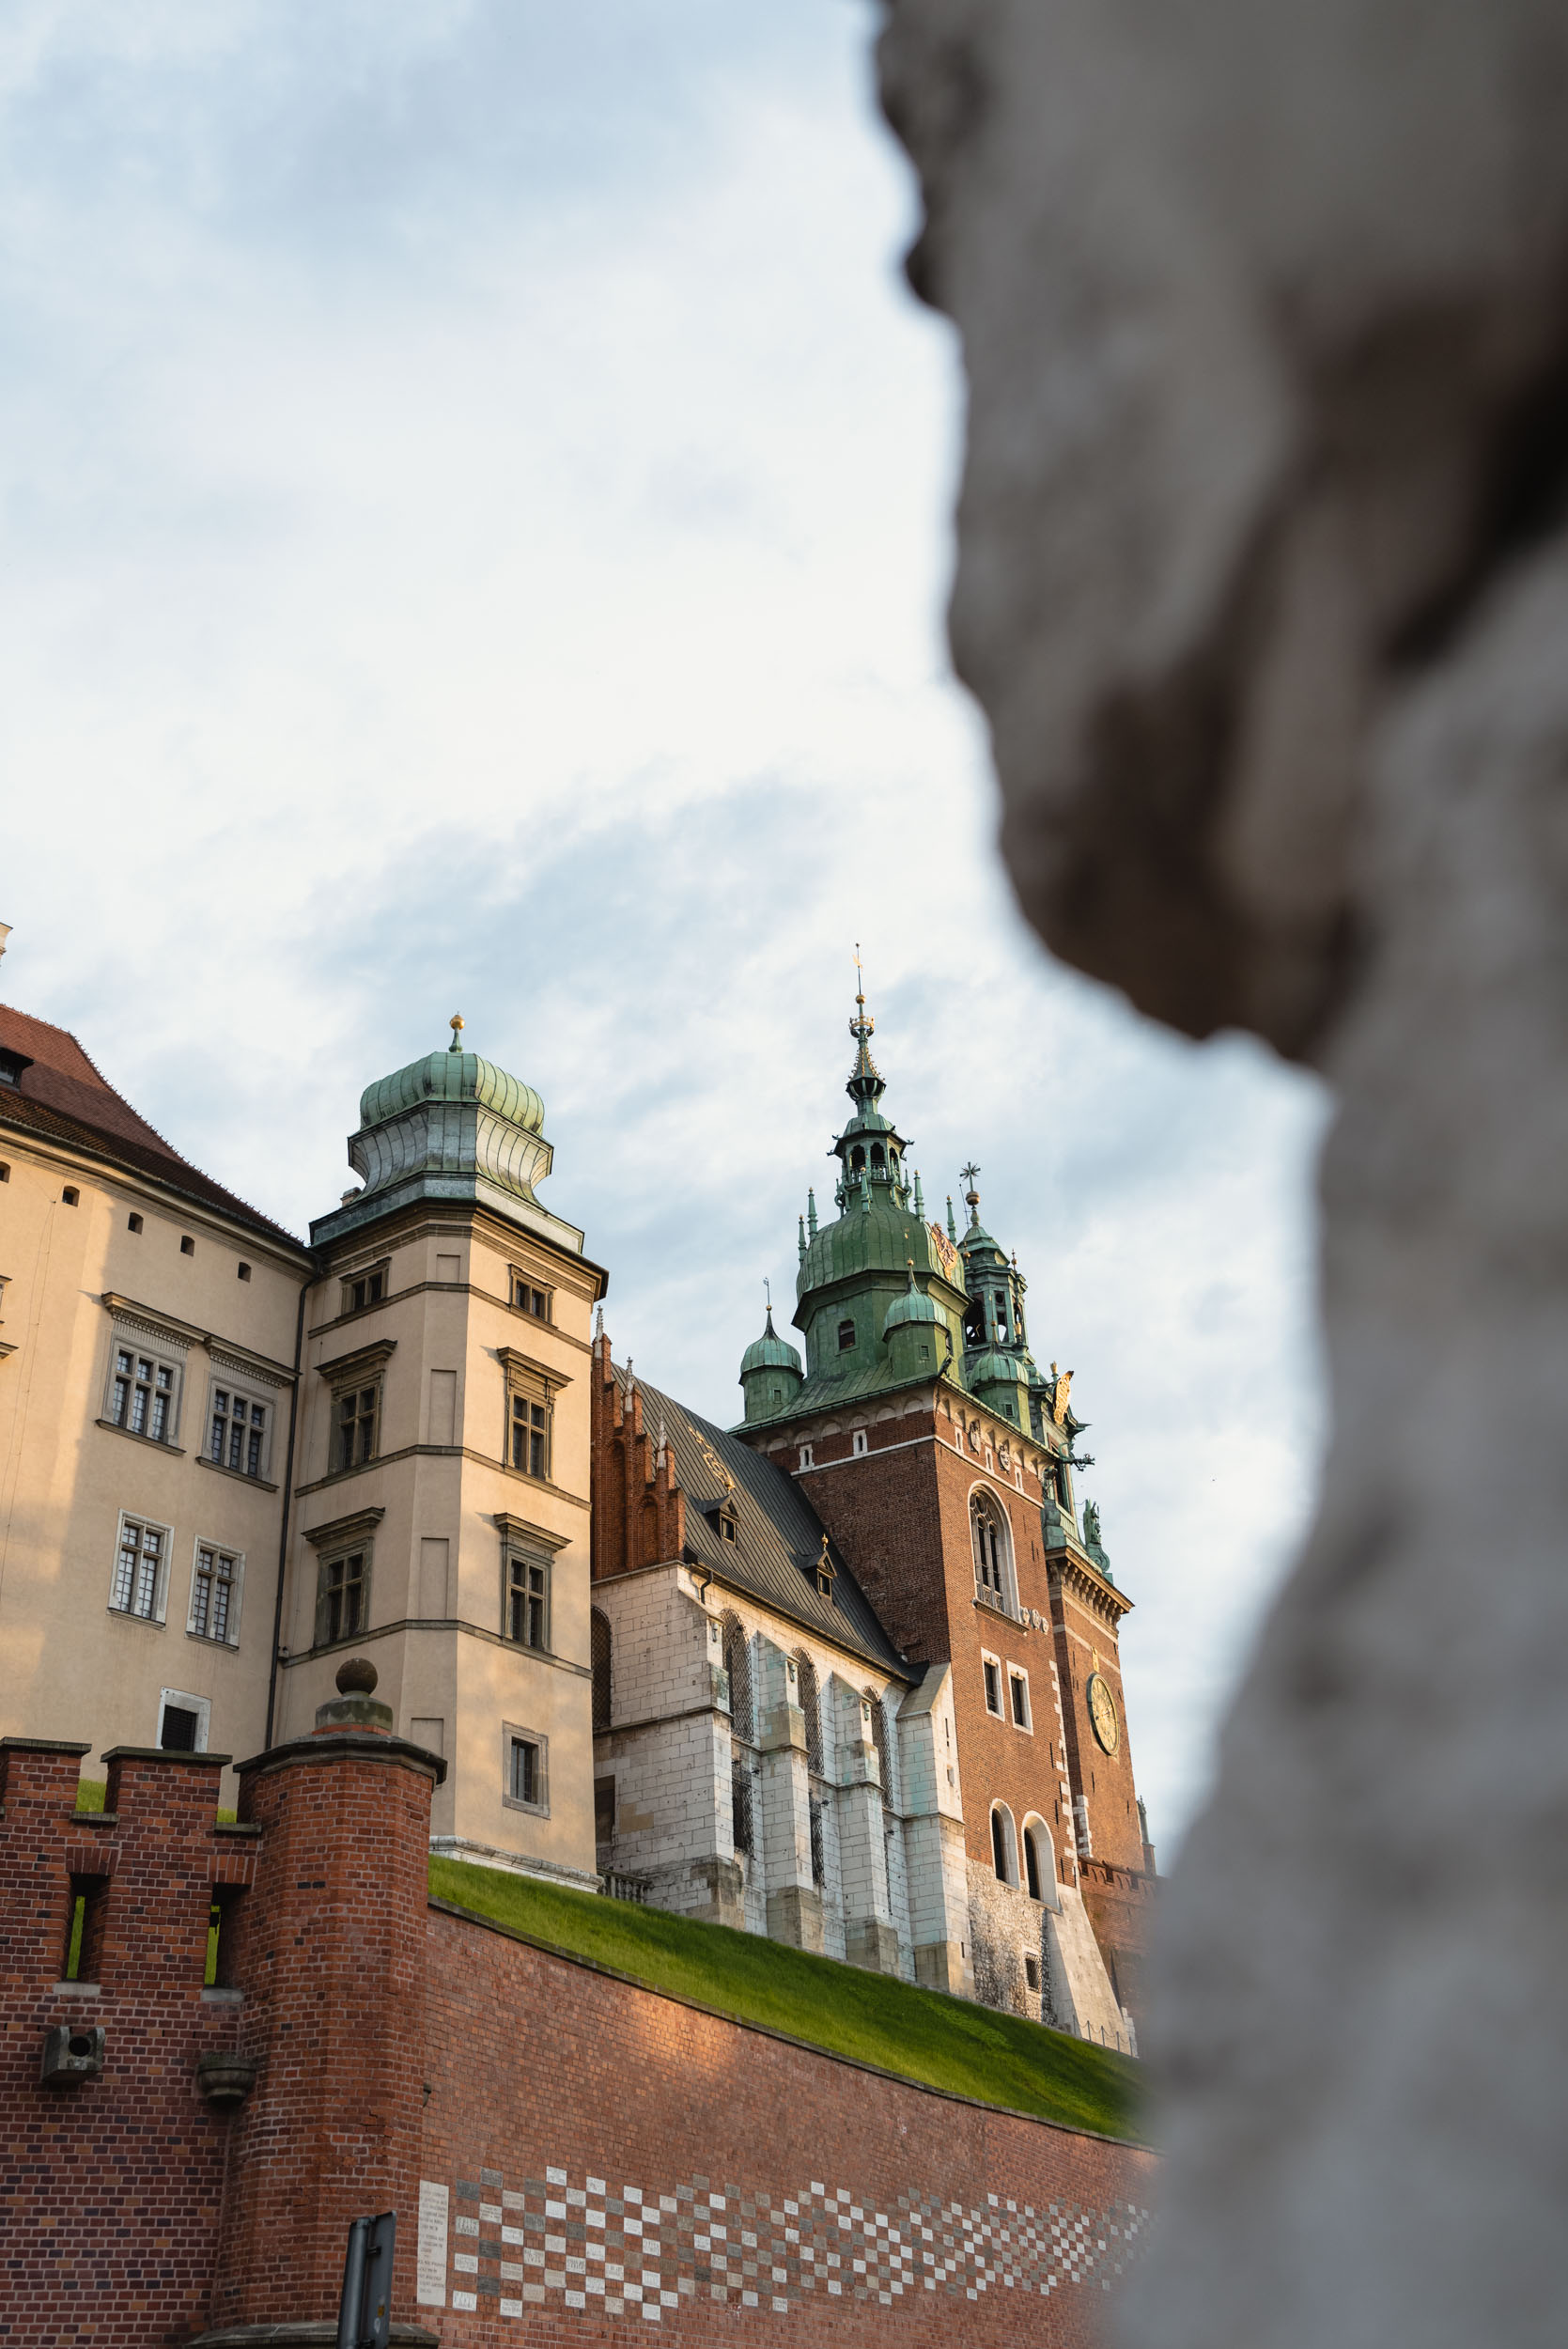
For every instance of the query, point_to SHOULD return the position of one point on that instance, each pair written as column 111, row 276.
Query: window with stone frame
column 215, row 1580
column 530, row 1418
column 991, row 1668
column 238, row 1429
column 144, row 1389
column 527, row 1612
column 141, row 1568
column 343, row 1593
column 738, row 1664
column 992, row 1547
column 530, row 1296
column 526, row 1769
column 369, row 1287
column 356, row 1424
column 810, row 1708
column 601, row 1658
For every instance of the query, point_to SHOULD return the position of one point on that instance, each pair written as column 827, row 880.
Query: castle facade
column 845, row 1673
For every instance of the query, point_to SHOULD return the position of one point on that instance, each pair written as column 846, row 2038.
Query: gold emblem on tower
column 1063, row 1387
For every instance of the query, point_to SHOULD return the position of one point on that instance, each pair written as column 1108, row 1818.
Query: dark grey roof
column 779, row 1532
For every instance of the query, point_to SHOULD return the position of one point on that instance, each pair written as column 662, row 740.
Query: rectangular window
column 141, row 1394
column 528, row 1601
column 139, row 1567
column 342, row 1609
column 365, row 1289
column 526, row 1769
column 356, row 1414
column 215, row 1595
column 530, row 1298
column 182, row 1721
column 237, row 1436
column 1017, row 1685
column 993, row 1687
column 531, row 1435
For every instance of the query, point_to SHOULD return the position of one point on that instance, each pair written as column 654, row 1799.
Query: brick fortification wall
column 570, row 2158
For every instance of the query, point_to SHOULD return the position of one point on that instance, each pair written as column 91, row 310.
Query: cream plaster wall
column 72, row 1668
column 444, row 1656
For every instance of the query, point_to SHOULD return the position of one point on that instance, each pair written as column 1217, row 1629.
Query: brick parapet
column 137, row 2142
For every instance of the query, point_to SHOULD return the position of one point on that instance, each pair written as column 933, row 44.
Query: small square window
column 366, row 1289
column 993, row 1687
column 524, row 1760
column 4, row 1171
column 70, row 1196
column 187, row 1246
column 1032, row 1972
column 244, row 1271
column 530, row 1298
column 133, row 1222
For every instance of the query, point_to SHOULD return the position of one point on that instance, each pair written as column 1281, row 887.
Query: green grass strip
column 943, row 2042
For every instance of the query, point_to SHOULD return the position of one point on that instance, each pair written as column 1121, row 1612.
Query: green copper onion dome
column 771, row 1352
column 453, row 1076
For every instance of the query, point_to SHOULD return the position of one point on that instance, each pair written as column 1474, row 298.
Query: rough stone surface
column 1262, row 583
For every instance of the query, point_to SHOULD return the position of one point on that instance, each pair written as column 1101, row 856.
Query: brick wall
column 569, row 2157
column 667, row 2166
column 110, row 2190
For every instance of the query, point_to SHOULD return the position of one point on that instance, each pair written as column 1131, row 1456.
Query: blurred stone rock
column 1262, row 585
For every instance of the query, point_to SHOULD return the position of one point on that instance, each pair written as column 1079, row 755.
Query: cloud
column 475, row 504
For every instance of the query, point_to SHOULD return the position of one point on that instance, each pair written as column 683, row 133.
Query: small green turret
column 770, row 1373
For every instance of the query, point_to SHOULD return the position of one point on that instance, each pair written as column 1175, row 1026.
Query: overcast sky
column 476, row 505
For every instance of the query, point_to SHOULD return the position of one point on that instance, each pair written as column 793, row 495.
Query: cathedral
column 844, row 1674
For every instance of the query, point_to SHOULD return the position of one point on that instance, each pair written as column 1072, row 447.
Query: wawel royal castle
column 845, row 1673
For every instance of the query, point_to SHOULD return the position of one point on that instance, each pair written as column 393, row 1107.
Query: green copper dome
column 913, row 1306
column 452, row 1076
column 771, row 1352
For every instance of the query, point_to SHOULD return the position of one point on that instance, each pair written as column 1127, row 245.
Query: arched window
column 857, row 1158
column 1004, row 1844
column 811, row 1706
column 992, row 1550
column 737, row 1663
column 1039, row 1861
column 599, row 1656
column 974, row 1327
column 877, row 1153
column 846, row 1336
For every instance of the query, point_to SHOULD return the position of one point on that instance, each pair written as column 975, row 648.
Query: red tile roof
column 61, row 1095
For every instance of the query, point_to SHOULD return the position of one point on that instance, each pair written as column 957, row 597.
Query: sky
column 475, row 501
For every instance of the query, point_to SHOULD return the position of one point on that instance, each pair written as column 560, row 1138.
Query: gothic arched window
column 811, row 1706
column 992, row 1550
column 1039, row 1860
column 1004, row 1844
column 599, row 1656
column 737, row 1663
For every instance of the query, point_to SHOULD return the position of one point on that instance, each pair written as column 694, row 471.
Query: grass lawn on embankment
column 939, row 2042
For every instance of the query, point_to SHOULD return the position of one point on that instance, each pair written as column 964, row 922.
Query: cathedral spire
column 865, row 1087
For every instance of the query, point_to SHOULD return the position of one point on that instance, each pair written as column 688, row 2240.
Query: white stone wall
column 891, row 1878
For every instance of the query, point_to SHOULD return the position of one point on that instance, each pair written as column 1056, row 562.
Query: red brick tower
column 941, row 1459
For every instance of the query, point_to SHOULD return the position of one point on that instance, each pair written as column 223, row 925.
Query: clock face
column 1102, row 1713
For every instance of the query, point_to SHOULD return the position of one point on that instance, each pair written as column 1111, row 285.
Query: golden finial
column 456, row 1024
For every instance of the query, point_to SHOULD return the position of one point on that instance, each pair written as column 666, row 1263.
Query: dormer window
column 824, row 1571
column 846, row 1336
column 11, row 1067
column 729, row 1530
